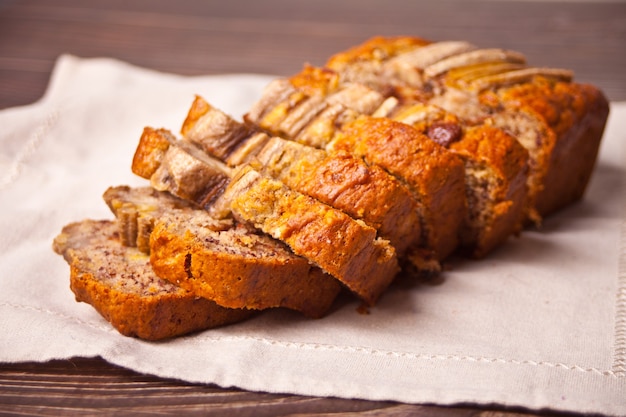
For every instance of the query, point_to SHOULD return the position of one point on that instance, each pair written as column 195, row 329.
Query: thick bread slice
column 343, row 247
column 434, row 174
column 120, row 284
column 228, row 263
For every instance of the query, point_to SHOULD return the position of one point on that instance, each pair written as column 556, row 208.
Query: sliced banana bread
column 341, row 180
column 346, row 248
column 120, row 284
column 558, row 121
column 486, row 223
column 346, row 182
column 226, row 262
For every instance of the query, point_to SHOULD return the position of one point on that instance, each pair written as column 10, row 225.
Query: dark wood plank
column 90, row 386
column 278, row 36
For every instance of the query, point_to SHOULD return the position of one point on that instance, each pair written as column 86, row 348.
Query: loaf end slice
column 120, row 284
column 567, row 121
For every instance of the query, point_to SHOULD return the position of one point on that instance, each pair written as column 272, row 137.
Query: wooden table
column 269, row 37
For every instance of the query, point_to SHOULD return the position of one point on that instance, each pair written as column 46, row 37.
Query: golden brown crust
column 341, row 246
column 120, row 284
column 156, row 318
column 347, row 183
column 153, row 144
column 378, row 48
column 368, row 193
column 435, row 174
column 315, row 80
column 198, row 108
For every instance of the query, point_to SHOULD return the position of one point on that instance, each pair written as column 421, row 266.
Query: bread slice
column 343, row 247
column 558, row 121
column 228, row 263
column 435, row 175
column 120, row 284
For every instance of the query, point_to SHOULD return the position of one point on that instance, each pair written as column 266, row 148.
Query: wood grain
column 278, row 36
column 271, row 37
column 90, row 386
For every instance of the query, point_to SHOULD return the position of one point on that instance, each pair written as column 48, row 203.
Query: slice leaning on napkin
column 395, row 155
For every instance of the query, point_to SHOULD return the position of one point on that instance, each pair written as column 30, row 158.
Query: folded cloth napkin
column 540, row 323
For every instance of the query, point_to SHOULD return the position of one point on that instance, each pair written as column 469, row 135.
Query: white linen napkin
column 540, row 323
